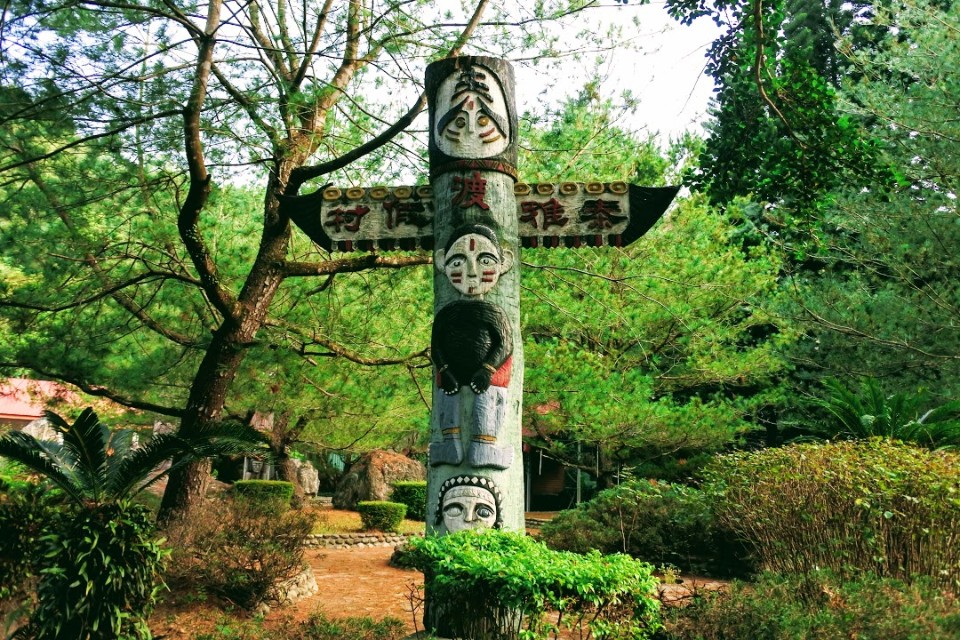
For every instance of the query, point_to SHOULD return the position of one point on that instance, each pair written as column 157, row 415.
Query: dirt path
column 353, row 583
column 356, row 583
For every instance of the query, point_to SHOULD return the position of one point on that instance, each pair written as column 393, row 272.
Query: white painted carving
column 472, row 120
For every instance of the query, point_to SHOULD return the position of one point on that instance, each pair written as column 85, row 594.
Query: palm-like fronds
column 94, row 465
column 868, row 412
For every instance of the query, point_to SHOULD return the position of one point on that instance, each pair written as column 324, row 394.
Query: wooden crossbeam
column 567, row 215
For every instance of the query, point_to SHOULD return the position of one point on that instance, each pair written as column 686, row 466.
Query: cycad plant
column 95, row 466
column 869, row 412
column 99, row 567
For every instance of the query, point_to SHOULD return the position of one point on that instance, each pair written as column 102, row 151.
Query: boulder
column 371, row 477
column 41, row 430
column 307, row 477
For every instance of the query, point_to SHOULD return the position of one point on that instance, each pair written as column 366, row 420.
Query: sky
column 667, row 74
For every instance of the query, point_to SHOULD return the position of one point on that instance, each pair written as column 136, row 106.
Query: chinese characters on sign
column 568, row 214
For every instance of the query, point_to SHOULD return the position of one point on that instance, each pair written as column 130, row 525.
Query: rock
column 41, row 430
column 307, row 477
column 300, row 586
column 371, row 477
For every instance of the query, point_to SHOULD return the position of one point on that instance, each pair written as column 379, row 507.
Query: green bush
column 501, row 584
column 100, row 576
column 266, row 492
column 878, row 506
column 317, row 627
column 657, row 522
column 27, row 512
column 238, row 549
column 379, row 515
column 818, row 607
column 412, row 493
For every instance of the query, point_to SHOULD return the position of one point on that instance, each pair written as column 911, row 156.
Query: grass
column 340, row 521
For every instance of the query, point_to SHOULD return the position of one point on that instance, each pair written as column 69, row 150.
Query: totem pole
column 476, row 469
column 475, row 217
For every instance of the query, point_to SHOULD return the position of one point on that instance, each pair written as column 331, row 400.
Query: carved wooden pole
column 474, row 217
column 476, row 468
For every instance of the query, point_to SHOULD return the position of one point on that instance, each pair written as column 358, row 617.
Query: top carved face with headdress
column 476, row 123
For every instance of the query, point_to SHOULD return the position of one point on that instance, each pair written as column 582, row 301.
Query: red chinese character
column 472, row 191
column 601, row 214
column 552, row 213
column 349, row 219
column 400, row 212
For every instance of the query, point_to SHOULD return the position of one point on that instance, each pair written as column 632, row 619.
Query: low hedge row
column 381, row 515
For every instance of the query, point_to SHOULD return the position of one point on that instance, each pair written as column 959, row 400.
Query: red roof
column 22, row 399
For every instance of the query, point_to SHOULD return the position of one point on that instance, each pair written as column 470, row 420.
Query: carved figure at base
column 469, row 502
column 471, row 346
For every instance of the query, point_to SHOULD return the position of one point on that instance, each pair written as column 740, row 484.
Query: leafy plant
column 27, row 511
column 875, row 506
column 497, row 584
column 94, row 466
column 412, row 493
column 817, row 607
column 657, row 522
column 99, row 569
column 101, row 575
column 868, row 411
column 380, row 515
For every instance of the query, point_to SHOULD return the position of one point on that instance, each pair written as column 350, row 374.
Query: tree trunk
column 208, row 393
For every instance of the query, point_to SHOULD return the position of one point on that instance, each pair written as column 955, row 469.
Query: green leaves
column 869, row 506
column 96, row 467
column 491, row 575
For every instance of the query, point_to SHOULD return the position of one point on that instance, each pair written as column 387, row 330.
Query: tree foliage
column 662, row 348
column 145, row 150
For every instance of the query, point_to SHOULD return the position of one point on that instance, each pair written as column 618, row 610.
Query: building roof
column 22, row 399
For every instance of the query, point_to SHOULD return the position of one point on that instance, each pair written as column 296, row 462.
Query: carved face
column 473, row 264
column 475, row 123
column 468, row 508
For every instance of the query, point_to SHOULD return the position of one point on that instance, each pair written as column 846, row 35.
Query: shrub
column 656, row 522
column 877, row 506
column 266, row 492
column 100, row 577
column 27, row 512
column 380, row 515
column 412, row 493
column 818, row 607
column 317, row 627
column 238, row 549
column 490, row 583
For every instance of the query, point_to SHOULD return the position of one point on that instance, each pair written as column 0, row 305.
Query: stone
column 307, row 477
column 372, row 477
column 41, row 430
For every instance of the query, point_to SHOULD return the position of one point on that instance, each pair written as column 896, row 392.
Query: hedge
column 412, row 493
column 381, row 515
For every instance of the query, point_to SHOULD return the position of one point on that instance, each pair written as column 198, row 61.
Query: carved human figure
column 469, row 502
column 472, row 345
column 475, row 123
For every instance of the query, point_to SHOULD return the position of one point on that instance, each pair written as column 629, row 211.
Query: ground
column 353, row 583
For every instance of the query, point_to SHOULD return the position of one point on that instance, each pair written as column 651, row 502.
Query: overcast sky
column 667, row 74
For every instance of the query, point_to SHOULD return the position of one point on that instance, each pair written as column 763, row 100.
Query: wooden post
column 475, row 217
column 475, row 477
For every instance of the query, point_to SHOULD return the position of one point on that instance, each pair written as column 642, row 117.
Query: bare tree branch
column 351, row 265
column 199, row 190
column 302, row 174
